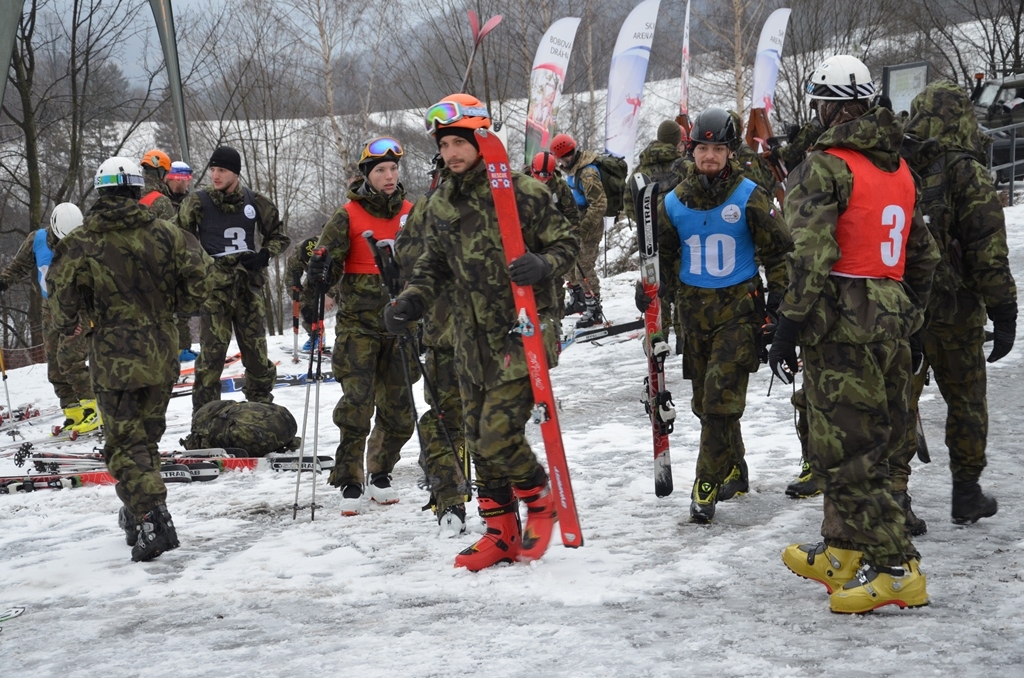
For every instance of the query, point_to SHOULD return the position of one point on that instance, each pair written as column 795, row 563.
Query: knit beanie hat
column 670, row 133
column 227, row 158
column 463, row 132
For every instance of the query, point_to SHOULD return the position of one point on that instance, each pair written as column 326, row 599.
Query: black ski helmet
column 714, row 126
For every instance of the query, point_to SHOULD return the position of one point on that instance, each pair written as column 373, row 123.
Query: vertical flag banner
column 769, row 59
column 684, row 79
column 10, row 15
column 626, row 79
column 546, row 80
column 165, row 29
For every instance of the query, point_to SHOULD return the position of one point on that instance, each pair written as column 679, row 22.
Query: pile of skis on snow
column 60, row 470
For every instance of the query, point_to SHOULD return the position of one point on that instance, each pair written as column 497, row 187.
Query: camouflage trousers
column 240, row 309
column 718, row 364
column 184, row 331
column 858, row 398
column 799, row 401
column 444, row 471
column 590, row 247
column 369, row 369
column 65, row 363
column 957, row 358
column 133, row 423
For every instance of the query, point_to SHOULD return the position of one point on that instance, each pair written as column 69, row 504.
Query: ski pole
column 296, row 291
column 7, row 391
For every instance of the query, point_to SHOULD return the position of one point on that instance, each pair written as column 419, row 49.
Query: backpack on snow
column 613, row 171
column 257, row 428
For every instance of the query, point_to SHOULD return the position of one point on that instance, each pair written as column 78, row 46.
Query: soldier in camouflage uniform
column 178, row 181
column 860, row 274
column 661, row 161
column 750, row 162
column 584, row 179
column 156, row 165
column 799, row 143
column 446, row 474
column 294, row 270
column 65, row 356
column 367, row 360
column 715, row 209
column 973, row 279
column 544, row 169
column 128, row 272
column 463, row 248
column 241, row 230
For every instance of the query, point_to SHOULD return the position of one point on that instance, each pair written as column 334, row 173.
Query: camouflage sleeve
column 294, row 268
column 23, row 264
column 431, row 268
column 669, row 249
column 335, row 239
column 409, row 242
column 922, row 256
column 545, row 230
column 597, row 201
column 192, row 264
column 65, row 291
column 566, row 202
column 271, row 226
column 817, row 193
column 980, row 227
column 771, row 238
column 190, row 214
column 163, row 208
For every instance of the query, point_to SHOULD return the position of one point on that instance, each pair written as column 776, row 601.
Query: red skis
column 545, row 411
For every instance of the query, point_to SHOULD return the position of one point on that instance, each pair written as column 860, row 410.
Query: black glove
column 642, row 301
column 916, row 353
column 1004, row 329
column 782, row 355
column 772, row 304
column 529, row 269
column 318, row 273
column 398, row 315
column 254, row 261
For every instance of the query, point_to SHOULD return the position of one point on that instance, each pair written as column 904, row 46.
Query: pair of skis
column 656, row 398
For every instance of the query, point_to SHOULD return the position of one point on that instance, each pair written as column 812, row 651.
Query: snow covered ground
column 252, row 593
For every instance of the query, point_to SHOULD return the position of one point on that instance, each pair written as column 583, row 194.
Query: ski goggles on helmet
column 449, row 112
column 381, row 148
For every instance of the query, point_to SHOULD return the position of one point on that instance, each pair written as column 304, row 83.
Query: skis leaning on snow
column 499, row 173
column 656, row 398
column 595, row 334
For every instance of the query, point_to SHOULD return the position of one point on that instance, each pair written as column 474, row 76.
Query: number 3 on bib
column 894, row 217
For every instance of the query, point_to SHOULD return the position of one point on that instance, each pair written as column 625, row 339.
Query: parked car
column 999, row 102
column 1001, row 146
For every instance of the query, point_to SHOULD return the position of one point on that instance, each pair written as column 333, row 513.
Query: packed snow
column 253, row 593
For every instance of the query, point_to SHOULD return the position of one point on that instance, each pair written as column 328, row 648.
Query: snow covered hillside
column 252, row 593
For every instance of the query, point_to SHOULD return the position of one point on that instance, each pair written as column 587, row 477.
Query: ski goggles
column 381, row 148
column 449, row 112
column 122, row 179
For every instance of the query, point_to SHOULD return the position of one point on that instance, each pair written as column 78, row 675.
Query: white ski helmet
column 65, row 218
column 841, row 78
column 119, row 171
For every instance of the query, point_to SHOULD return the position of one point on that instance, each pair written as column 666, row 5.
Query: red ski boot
column 501, row 543
column 541, row 515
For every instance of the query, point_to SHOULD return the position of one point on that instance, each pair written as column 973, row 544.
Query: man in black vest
column 241, row 230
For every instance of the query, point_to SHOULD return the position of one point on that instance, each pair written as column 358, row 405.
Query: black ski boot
column 577, row 300
column 703, row 500
column 970, row 503
column 915, row 526
column 126, row 521
column 592, row 315
column 736, row 483
column 156, row 534
column 806, row 484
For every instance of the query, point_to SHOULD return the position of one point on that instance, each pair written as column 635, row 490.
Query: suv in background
column 999, row 102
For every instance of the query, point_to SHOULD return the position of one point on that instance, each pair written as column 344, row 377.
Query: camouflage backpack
column 257, row 428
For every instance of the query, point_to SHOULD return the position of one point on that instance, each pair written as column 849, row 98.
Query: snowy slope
column 252, row 593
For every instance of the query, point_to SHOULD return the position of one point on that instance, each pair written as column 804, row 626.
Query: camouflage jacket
column 464, row 246
column 24, row 262
column 755, row 168
column 838, row 309
column 592, row 216
column 269, row 226
column 794, row 152
column 438, row 326
column 127, row 273
column 705, row 308
column 162, row 207
column 661, row 163
column 562, row 195
column 360, row 297
column 298, row 262
column 963, row 211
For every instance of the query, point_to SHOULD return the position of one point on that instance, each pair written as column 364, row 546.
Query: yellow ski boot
column 73, row 414
column 875, row 586
column 91, row 419
column 831, row 566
